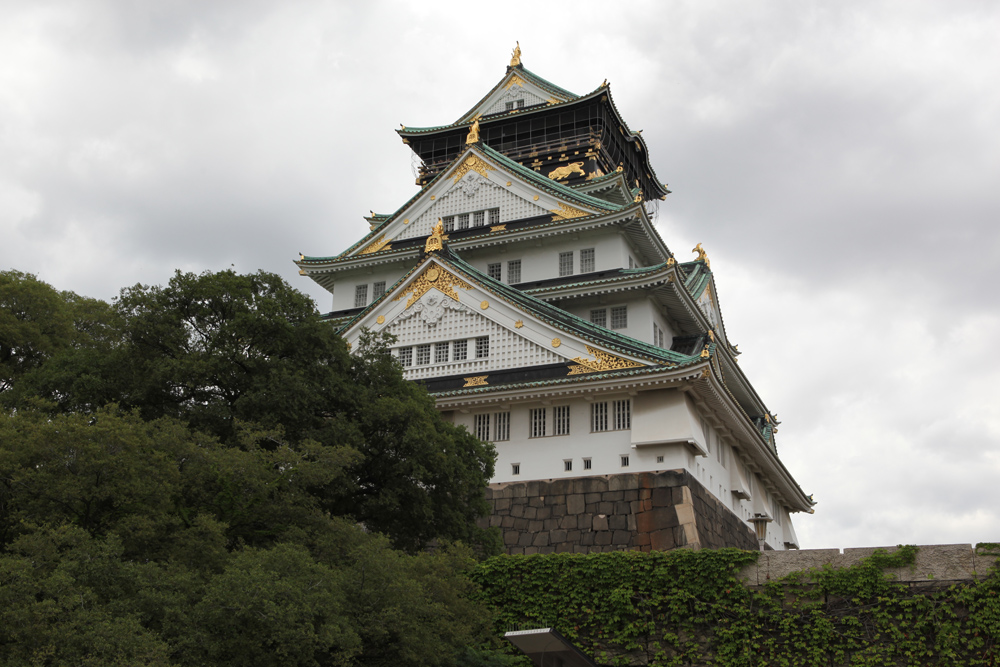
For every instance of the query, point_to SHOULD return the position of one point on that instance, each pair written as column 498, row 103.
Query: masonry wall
column 633, row 511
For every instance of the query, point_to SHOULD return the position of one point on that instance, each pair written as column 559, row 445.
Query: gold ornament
column 603, row 362
column 565, row 212
column 515, row 55
column 380, row 319
column 484, row 305
column 471, row 163
column 473, row 136
column 514, row 81
column 560, row 173
column 702, row 257
column 434, row 240
column 381, row 243
column 556, row 342
column 478, row 381
column 442, row 281
column 498, row 228
column 518, row 324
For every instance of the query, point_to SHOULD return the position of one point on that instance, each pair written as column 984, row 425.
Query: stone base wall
column 632, row 511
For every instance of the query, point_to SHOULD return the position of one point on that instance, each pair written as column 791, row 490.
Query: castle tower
column 529, row 291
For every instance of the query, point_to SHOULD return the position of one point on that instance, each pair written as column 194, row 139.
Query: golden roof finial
column 473, row 136
column 702, row 256
column 434, row 240
column 515, row 55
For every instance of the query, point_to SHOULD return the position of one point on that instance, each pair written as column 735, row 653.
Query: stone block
column 511, row 537
column 603, row 538
column 568, row 522
column 661, row 540
column 580, row 549
column 518, row 491
column 593, row 484
column 600, row 522
column 559, row 510
column 587, row 538
column 661, row 498
column 623, row 508
column 776, row 564
column 535, row 526
column 556, row 536
column 613, row 496
column 488, row 493
column 559, row 499
column 583, row 521
column 630, row 495
column 621, row 537
column 605, row 508
column 533, row 488
column 530, row 512
column 501, row 504
column 546, row 550
column 496, row 520
column 564, row 547
column 591, row 508
column 515, row 551
column 575, row 503
column 623, row 482
column 573, row 536
column 645, row 494
column 656, row 519
column 517, row 510
column 592, row 497
column 536, row 501
column 507, row 522
column 543, row 512
column 941, row 562
column 685, row 514
column 541, row 539
column 630, row 522
column 520, row 524
column 530, row 550
column 550, row 524
column 618, row 521
column 524, row 539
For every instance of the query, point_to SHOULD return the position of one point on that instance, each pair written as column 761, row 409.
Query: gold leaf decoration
column 565, row 212
column 436, row 278
column 556, row 342
column 381, row 243
column 514, row 81
column 380, row 319
column 603, row 362
column 498, row 228
column 484, row 305
column 472, row 163
column 477, row 381
column 518, row 324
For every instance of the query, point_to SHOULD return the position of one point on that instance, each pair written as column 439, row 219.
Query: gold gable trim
column 514, row 81
column 565, row 212
column 477, row 381
column 433, row 277
column 472, row 163
column 603, row 362
column 381, row 243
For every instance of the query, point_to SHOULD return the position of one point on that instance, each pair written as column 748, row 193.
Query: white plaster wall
column 343, row 292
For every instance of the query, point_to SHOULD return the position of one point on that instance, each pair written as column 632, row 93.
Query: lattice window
column 623, row 414
column 360, row 296
column 624, row 460
column 619, row 317
column 599, row 416
column 461, row 350
column 489, row 197
column 566, row 263
column 482, row 347
column 449, row 223
column 515, row 468
column 587, row 260
column 406, row 356
column 494, row 214
column 441, row 353
column 657, row 336
column 493, row 270
column 483, row 427
column 423, row 355
column 513, row 272
column 587, row 464
column 568, row 465
column 378, row 289
column 560, row 420
column 599, row 316
column 479, row 218
column 501, row 426
column 536, row 421
column 463, row 221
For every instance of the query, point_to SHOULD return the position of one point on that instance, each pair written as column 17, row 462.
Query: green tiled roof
column 547, row 84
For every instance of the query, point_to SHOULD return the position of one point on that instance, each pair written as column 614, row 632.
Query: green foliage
column 683, row 607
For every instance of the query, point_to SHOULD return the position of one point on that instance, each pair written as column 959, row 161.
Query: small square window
column 423, row 355
column 360, row 296
column 520, row 104
column 461, row 350
column 463, row 221
column 659, row 459
column 406, row 356
column 587, row 465
column 440, row 353
column 513, row 272
column 449, row 223
column 493, row 270
column 587, row 260
column 479, row 218
column 508, row 106
column 599, row 316
column 378, row 289
column 619, row 317
column 568, row 465
column 515, row 468
column 482, row 347
column 566, row 263
column 624, row 460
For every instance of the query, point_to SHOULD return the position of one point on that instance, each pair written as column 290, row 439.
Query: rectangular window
column 483, row 427
column 463, row 221
column 482, row 347
column 599, row 416
column 587, row 465
column 423, row 355
column 479, row 218
column 560, row 420
column 568, row 465
column 501, row 426
column 587, row 260
column 449, row 223
column 493, row 270
column 520, row 104
column 624, row 460
column 619, row 317
column 513, row 272
column 440, row 353
column 378, row 289
column 515, row 468
column 631, row 262
column 599, row 316
column 659, row 459
column 494, row 216
column 537, row 423
column 508, row 106
column 565, row 263
column 623, row 414
column 657, row 336
column 360, row 296
column 406, row 356
column 461, row 350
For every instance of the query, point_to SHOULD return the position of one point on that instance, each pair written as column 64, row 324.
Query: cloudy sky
column 839, row 161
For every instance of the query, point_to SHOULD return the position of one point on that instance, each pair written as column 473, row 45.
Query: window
column 461, row 350
column 619, row 317
column 631, row 262
column 483, row 427
column 536, row 421
column 599, row 316
column 508, row 106
column 658, row 337
column 659, row 459
column 482, row 347
column 494, row 216
column 479, row 218
column 440, row 353
column 587, row 260
column 406, row 356
column 515, row 468
column 598, row 416
column 423, row 355
column 520, row 104
column 776, row 511
column 624, row 460
column 565, row 263
column 623, row 414
column 513, row 271
column 493, row 270
column 587, row 464
column 378, row 289
column 568, row 465
column 360, row 296
column 463, row 221
column 449, row 223
column 501, row 426
column 560, row 420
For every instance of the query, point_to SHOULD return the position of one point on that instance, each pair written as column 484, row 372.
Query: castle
column 530, row 292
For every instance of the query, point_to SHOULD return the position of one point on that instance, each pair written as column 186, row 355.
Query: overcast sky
column 840, row 162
